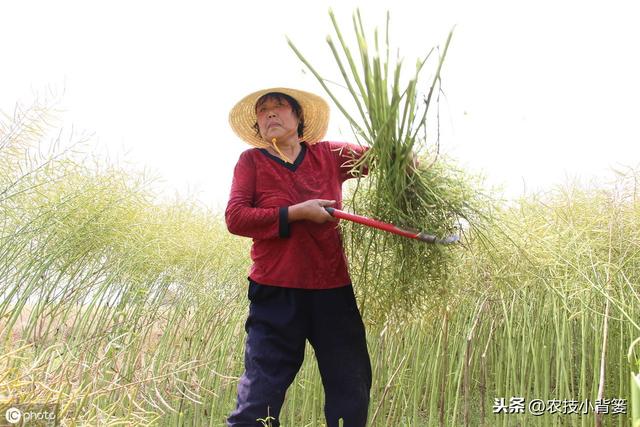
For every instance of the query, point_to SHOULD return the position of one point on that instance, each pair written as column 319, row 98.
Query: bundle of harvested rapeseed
column 396, row 276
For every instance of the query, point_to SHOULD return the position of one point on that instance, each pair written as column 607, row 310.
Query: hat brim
column 242, row 116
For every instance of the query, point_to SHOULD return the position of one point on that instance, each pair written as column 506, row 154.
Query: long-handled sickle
column 412, row 234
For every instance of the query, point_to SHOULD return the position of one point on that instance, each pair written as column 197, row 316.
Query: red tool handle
column 412, row 234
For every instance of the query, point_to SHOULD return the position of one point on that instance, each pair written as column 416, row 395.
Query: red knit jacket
column 301, row 254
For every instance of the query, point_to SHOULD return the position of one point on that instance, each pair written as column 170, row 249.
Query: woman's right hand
column 311, row 210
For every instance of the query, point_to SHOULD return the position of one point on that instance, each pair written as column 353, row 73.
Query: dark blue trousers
column 279, row 323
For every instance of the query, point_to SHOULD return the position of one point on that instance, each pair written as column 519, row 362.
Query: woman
column 299, row 285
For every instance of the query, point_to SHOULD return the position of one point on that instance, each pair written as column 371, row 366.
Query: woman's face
column 277, row 120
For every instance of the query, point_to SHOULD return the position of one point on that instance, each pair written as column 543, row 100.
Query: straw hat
column 242, row 116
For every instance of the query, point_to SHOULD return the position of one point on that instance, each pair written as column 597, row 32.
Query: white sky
column 536, row 91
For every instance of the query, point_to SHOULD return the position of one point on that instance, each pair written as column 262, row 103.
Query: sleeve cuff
column 283, row 228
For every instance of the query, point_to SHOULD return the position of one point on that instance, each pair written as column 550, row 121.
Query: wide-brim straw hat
column 242, row 116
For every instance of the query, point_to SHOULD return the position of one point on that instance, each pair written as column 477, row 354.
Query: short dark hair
column 279, row 96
